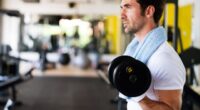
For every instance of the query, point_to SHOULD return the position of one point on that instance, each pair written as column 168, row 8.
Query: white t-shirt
column 167, row 70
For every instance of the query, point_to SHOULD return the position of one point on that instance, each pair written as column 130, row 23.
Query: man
column 141, row 17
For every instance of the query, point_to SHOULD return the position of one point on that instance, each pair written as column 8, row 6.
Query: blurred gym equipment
column 191, row 98
column 10, row 76
column 64, row 58
column 11, row 82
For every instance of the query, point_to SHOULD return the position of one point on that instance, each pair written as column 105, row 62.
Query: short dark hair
column 158, row 5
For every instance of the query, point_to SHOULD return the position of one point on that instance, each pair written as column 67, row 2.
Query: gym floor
column 65, row 88
column 65, row 93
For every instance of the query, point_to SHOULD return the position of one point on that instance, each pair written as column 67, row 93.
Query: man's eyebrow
column 125, row 5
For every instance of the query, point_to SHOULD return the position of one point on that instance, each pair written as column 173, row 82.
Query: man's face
column 131, row 16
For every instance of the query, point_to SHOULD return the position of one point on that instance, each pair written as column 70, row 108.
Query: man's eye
column 127, row 6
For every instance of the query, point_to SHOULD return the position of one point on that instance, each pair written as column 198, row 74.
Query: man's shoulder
column 165, row 64
column 164, row 58
column 165, row 48
column 165, row 51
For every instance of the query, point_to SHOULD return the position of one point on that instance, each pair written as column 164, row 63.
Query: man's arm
column 168, row 100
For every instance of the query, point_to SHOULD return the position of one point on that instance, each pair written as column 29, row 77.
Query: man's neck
column 144, row 31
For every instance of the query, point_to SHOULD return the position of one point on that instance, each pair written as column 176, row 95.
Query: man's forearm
column 148, row 104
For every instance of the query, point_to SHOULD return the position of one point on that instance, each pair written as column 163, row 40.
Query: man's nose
column 123, row 14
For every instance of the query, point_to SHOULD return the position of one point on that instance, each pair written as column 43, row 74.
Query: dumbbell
column 129, row 76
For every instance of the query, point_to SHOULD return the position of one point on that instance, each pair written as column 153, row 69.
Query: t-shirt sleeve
column 168, row 73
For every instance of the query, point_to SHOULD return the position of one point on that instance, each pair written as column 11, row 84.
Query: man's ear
column 149, row 12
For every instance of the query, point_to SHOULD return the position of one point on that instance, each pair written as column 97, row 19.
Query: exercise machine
column 11, row 82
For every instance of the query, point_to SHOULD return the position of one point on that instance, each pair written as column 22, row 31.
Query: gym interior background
column 67, row 45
